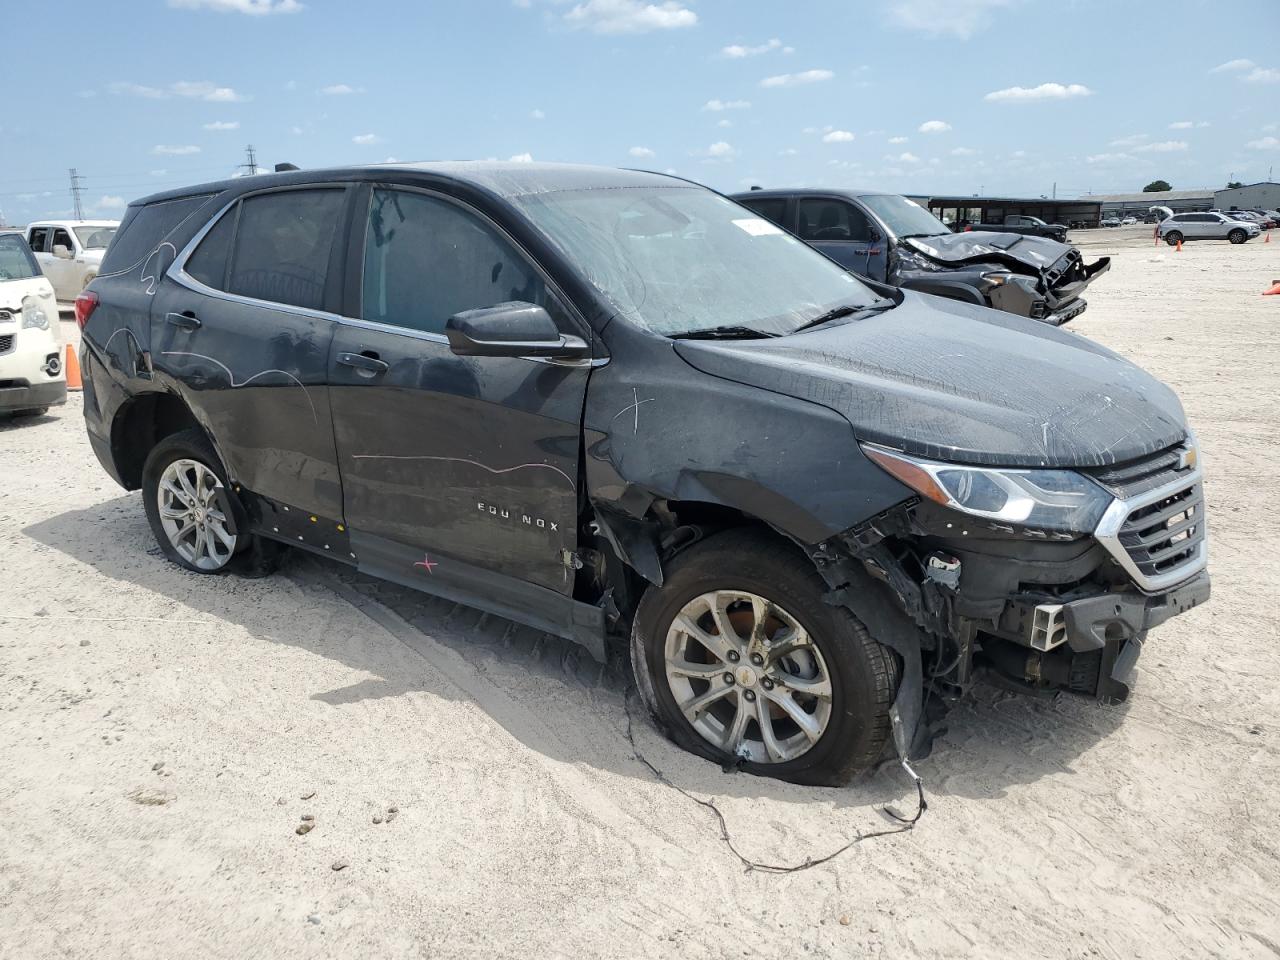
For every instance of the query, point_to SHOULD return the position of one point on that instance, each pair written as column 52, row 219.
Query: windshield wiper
column 846, row 310
column 729, row 332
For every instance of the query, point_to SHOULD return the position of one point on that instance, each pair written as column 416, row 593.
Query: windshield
column 16, row 261
column 904, row 218
column 95, row 238
column 680, row 260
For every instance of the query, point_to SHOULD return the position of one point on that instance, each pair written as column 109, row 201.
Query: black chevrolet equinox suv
column 613, row 404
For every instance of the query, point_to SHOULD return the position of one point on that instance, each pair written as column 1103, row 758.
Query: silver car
column 1206, row 226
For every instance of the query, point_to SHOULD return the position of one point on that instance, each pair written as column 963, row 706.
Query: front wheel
column 741, row 661
column 1237, row 236
column 1173, row 238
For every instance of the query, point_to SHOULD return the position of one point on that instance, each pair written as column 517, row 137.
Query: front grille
column 1155, row 528
column 6, row 343
column 1065, row 270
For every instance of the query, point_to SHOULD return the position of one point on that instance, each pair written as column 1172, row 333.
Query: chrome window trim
column 1107, row 533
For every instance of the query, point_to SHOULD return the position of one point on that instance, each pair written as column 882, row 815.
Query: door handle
column 184, row 321
column 366, row 362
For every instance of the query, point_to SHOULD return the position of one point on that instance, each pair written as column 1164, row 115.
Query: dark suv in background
column 611, row 404
column 886, row 237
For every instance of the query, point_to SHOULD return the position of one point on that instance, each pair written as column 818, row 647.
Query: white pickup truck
column 70, row 251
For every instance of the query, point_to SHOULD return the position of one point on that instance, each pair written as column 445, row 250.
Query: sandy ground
column 163, row 734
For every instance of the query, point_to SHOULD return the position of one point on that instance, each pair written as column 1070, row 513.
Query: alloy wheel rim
column 192, row 516
column 747, row 676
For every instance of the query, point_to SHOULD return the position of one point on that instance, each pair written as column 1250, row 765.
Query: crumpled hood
column 959, row 382
column 1014, row 250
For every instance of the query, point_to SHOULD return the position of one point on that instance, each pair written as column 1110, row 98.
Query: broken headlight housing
column 909, row 259
column 33, row 316
column 1057, row 500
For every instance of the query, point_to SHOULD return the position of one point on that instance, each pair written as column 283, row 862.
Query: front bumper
column 1054, row 298
column 18, row 394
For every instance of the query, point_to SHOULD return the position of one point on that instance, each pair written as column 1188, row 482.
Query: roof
column 811, row 192
column 72, row 222
column 969, row 200
column 506, row 179
column 1245, row 186
column 1154, row 197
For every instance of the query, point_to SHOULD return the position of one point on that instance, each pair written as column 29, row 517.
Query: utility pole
column 76, row 191
column 1055, row 189
column 251, row 160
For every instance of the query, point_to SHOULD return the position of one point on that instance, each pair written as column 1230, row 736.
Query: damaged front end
column 1045, row 580
column 1030, row 276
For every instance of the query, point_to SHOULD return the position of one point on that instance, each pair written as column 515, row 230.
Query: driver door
column 459, row 474
column 844, row 233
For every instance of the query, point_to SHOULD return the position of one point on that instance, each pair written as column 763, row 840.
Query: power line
column 77, row 189
column 251, row 160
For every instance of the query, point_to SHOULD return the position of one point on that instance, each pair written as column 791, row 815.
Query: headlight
column 997, row 277
column 1042, row 499
column 33, row 315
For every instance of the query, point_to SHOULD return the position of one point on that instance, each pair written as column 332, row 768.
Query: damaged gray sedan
column 886, row 237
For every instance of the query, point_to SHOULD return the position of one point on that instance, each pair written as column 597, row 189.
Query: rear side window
column 144, row 229
column 283, row 245
column 37, row 238
column 772, row 208
column 208, row 263
column 426, row 259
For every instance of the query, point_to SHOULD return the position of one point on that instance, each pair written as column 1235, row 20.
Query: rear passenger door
column 240, row 328
column 844, row 233
column 459, row 474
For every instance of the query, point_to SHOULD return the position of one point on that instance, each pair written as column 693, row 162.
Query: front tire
column 191, row 512
column 740, row 661
column 1237, row 236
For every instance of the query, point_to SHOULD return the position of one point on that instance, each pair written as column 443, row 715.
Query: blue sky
column 917, row 96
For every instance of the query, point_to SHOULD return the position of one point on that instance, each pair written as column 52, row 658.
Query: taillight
column 86, row 303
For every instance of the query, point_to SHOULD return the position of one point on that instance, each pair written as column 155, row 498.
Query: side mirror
column 874, row 235
column 514, row 329
column 61, row 252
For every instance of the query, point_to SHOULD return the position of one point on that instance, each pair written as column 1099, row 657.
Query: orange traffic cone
column 1179, row 250
column 73, row 370
column 1274, row 291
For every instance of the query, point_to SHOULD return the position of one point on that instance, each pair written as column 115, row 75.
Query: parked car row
column 621, row 408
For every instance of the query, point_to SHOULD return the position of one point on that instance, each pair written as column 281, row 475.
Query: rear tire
column 1237, row 236
column 807, row 670
column 1173, row 238
column 190, row 506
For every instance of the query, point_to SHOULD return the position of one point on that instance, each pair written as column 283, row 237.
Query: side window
column 427, row 259
column 39, row 236
column 831, row 220
column 283, row 244
column 771, row 208
column 208, row 263
column 144, row 228
column 62, row 238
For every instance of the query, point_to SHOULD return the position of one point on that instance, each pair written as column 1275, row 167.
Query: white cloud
column 1163, row 146
column 223, row 125
column 1266, row 143
column 642, row 153
column 934, row 126
column 1130, row 141
column 1181, row 125
column 897, row 139
column 796, row 79
column 1019, row 154
column 167, row 151
column 521, row 158
column 295, row 130
column 391, row 160
column 1262, row 75
column 725, row 123
column 960, row 18
column 908, row 158
column 715, row 106
column 789, row 152
column 963, row 152
column 630, row 16
column 838, row 136
column 737, row 51
column 537, row 115
column 340, row 90
column 111, row 202
column 255, row 8
column 721, row 151
column 1045, row 91
column 366, row 138
column 1233, row 66
column 191, row 89
column 1110, row 158
column 158, row 173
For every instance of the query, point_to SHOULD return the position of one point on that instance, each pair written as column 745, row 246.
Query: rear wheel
column 191, row 513
column 1173, row 238
column 740, row 661
column 1237, row 236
